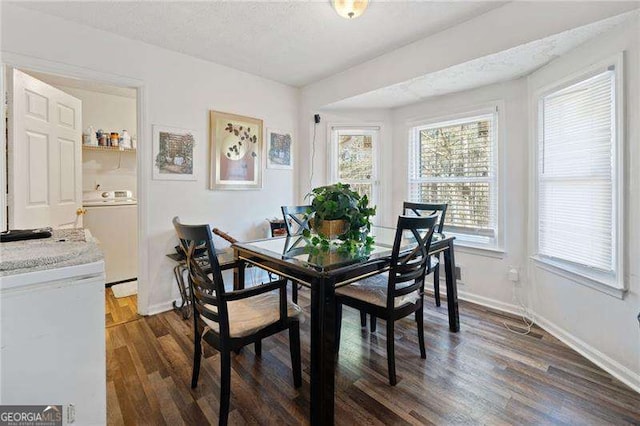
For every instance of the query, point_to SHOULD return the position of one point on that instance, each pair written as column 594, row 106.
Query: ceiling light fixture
column 350, row 9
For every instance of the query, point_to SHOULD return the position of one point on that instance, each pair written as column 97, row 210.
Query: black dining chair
column 230, row 320
column 295, row 221
column 398, row 293
column 421, row 209
column 426, row 209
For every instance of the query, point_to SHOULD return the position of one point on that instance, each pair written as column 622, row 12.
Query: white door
column 354, row 160
column 44, row 153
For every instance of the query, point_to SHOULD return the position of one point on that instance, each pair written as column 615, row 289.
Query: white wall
column 484, row 274
column 370, row 117
column 512, row 25
column 601, row 326
column 111, row 113
column 111, row 170
column 179, row 91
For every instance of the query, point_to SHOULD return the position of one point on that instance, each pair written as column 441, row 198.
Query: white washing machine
column 112, row 218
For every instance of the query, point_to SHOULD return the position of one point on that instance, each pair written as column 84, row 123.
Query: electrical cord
column 313, row 155
column 525, row 313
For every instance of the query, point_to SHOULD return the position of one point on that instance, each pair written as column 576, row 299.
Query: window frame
column 372, row 129
column 495, row 109
column 614, row 284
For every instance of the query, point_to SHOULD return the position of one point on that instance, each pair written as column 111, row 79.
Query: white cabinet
column 52, row 340
column 115, row 226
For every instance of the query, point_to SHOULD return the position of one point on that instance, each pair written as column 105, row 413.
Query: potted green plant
column 337, row 211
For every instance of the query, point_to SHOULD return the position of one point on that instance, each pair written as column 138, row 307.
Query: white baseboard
column 617, row 370
column 509, row 308
column 611, row 366
column 159, row 308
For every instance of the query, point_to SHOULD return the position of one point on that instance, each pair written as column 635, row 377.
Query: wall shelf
column 107, row 148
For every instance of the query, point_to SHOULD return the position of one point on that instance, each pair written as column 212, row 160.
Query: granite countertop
column 65, row 247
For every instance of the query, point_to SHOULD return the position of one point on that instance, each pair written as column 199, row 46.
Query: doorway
column 106, row 177
column 354, row 159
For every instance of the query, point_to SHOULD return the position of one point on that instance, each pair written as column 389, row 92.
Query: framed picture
column 236, row 151
column 173, row 152
column 279, row 149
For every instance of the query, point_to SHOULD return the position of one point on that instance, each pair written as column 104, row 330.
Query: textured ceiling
column 91, row 86
column 292, row 42
column 506, row 65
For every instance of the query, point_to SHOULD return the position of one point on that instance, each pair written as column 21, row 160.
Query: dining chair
column 230, row 320
column 421, row 209
column 295, row 221
column 425, row 209
column 398, row 293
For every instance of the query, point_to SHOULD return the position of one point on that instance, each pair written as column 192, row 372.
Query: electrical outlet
column 514, row 275
column 457, row 272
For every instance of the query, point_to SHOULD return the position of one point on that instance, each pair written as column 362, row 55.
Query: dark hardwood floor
column 482, row 375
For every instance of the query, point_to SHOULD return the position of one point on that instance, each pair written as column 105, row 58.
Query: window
column 577, row 176
column 454, row 162
column 354, row 160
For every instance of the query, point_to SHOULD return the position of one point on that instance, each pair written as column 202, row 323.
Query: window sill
column 564, row 271
column 467, row 247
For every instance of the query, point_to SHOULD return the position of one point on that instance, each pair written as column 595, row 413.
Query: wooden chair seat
column 374, row 290
column 247, row 316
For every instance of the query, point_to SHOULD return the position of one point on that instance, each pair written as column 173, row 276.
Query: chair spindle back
column 295, row 220
column 426, row 209
column 204, row 290
column 410, row 267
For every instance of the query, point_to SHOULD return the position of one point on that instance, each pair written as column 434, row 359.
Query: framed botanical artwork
column 173, row 152
column 279, row 149
column 236, row 151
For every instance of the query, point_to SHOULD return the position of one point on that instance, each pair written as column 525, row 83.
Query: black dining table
column 296, row 258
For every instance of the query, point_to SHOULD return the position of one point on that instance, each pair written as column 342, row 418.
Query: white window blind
column 454, row 162
column 576, row 173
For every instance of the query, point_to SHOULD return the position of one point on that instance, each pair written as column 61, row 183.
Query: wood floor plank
column 168, row 407
column 120, row 310
column 482, row 375
column 114, row 415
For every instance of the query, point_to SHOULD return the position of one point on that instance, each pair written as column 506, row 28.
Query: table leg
column 323, row 335
column 452, row 288
column 238, row 273
column 184, row 307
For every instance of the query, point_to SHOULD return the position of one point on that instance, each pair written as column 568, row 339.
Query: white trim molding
column 143, row 151
column 495, row 109
column 611, row 366
column 562, row 270
column 618, row 285
column 488, row 302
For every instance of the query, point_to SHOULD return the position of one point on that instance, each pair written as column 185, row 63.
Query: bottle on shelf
column 88, row 138
column 125, row 140
column 102, row 138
